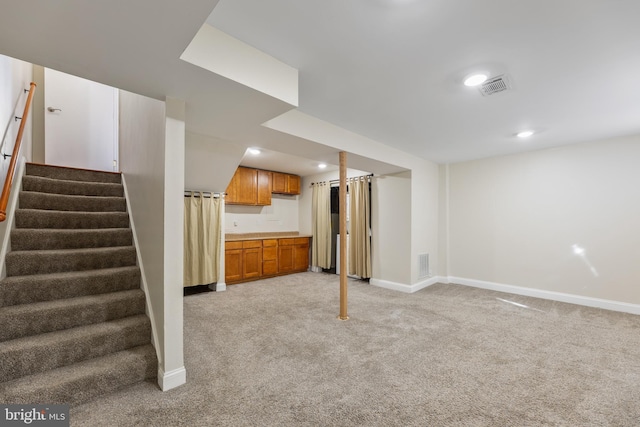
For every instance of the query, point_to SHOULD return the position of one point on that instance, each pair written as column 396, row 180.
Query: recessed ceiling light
column 322, row 165
column 253, row 151
column 475, row 79
column 524, row 134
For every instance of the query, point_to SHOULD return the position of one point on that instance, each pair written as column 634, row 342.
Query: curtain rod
column 188, row 193
column 337, row 181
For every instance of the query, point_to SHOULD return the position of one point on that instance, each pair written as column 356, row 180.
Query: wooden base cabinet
column 285, row 257
column 233, row 262
column 242, row 260
column 270, row 257
column 252, row 259
column 255, row 259
column 293, row 254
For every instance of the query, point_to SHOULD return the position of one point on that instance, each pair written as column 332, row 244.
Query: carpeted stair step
column 36, row 218
column 64, row 202
column 34, row 354
column 78, row 188
column 71, row 174
column 48, row 287
column 72, row 314
column 23, row 263
column 31, row 319
column 85, row 380
column 23, row 239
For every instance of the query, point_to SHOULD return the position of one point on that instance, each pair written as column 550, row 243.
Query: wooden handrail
column 6, row 190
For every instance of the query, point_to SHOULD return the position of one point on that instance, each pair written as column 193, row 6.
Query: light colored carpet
column 272, row 353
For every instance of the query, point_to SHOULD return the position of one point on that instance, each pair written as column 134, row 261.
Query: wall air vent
column 423, row 266
column 495, row 84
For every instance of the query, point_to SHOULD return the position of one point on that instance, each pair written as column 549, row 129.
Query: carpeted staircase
column 72, row 314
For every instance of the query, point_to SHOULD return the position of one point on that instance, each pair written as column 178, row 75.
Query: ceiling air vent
column 495, row 84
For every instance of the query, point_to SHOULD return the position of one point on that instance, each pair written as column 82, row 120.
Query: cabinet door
column 252, row 263
column 233, row 265
column 247, row 186
column 270, row 260
column 285, row 258
column 301, row 254
column 294, row 184
column 264, row 188
column 279, row 183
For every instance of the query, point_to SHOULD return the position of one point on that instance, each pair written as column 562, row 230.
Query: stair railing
column 6, row 190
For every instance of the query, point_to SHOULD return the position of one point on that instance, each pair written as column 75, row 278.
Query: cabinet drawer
column 270, row 253
column 269, row 242
column 252, row 244
column 286, row 242
column 301, row 241
column 232, row 245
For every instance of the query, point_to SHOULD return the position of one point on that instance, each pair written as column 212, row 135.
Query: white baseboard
column 395, row 286
column 549, row 295
column 219, row 287
column 171, row 379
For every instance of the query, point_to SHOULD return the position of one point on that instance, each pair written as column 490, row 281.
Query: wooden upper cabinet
column 264, row 188
column 284, row 183
column 249, row 187
column 254, row 186
column 279, row 182
column 243, row 188
column 294, row 184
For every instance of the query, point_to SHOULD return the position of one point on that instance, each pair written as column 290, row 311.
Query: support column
column 343, row 236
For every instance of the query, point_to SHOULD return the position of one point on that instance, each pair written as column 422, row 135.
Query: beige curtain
column 359, row 227
column 321, row 217
column 201, row 240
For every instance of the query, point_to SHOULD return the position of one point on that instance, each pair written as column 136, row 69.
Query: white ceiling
column 389, row 70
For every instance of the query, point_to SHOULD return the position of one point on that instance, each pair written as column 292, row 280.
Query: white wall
column 443, row 220
column 391, row 228
column 424, row 218
column 520, row 220
column 281, row 215
column 37, row 148
column 15, row 76
column 172, row 373
column 150, row 158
